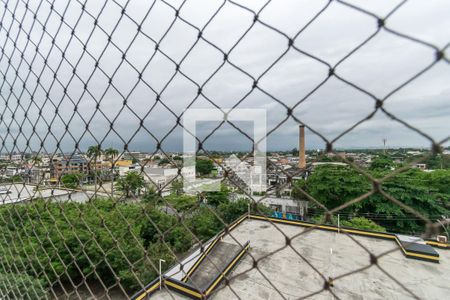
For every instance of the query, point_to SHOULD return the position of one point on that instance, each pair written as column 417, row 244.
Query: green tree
column 437, row 161
column 296, row 190
column 151, row 197
column 16, row 178
column 131, row 183
column 438, row 179
column 410, row 189
column 382, row 163
column 62, row 230
column 204, row 166
column 363, row 223
column 164, row 161
column 218, row 197
column 230, row 211
column 355, row 222
column 181, row 202
column 335, row 185
column 294, row 152
column 176, row 187
column 204, row 223
column 93, row 153
column 167, row 230
column 111, row 154
column 36, row 160
column 28, row 287
column 71, row 181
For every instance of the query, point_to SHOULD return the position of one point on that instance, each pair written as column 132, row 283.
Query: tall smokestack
column 301, row 151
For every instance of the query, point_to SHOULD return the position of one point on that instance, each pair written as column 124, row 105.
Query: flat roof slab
column 300, row 269
column 296, row 271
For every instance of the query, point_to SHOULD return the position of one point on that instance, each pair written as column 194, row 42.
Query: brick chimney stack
column 301, row 151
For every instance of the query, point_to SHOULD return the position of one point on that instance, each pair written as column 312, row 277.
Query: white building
column 252, row 175
column 162, row 177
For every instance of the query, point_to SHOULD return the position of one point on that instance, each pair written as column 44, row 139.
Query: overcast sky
column 379, row 67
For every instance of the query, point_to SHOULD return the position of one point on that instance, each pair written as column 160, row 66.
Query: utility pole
column 384, row 145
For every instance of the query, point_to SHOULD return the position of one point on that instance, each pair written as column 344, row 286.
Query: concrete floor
column 281, row 268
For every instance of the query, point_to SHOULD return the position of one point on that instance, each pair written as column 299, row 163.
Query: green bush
column 71, row 181
column 363, row 223
column 103, row 235
column 181, row 202
column 357, row 223
column 204, row 166
column 21, row 286
column 426, row 193
column 204, row 223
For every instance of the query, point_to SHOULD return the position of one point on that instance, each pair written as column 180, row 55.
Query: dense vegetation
column 439, row 161
column 104, row 239
column 21, row 286
column 356, row 222
column 204, row 166
column 426, row 192
column 131, row 184
column 71, row 181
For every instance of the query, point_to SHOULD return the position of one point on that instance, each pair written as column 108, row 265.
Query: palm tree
column 93, row 153
column 132, row 183
column 36, row 161
column 111, row 153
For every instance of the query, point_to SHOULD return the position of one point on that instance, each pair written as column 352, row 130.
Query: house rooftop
column 313, row 256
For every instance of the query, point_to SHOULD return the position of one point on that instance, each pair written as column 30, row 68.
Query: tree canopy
column 111, row 153
column 218, row 197
column 53, row 234
column 176, row 186
column 131, row 183
column 335, row 185
column 204, row 166
column 434, row 162
column 426, row 193
column 94, row 151
column 164, row 161
column 382, row 163
column 72, row 181
column 363, row 223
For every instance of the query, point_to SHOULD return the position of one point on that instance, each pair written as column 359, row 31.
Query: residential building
column 75, row 164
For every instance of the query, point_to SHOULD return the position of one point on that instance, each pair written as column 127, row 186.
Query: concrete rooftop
column 332, row 254
column 20, row 192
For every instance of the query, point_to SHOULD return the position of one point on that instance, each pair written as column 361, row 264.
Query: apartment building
column 68, row 165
